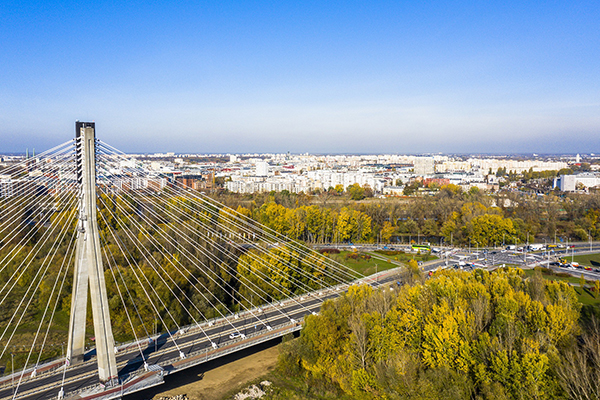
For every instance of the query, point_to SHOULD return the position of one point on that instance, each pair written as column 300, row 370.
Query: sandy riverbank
column 215, row 379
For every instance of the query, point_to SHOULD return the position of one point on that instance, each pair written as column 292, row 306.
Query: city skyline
column 319, row 78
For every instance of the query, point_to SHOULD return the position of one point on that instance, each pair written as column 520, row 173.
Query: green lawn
column 591, row 260
column 405, row 257
column 586, row 295
column 363, row 263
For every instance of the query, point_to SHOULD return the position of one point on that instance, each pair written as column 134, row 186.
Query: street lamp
column 155, row 335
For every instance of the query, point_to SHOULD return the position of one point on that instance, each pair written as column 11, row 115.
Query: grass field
column 362, row 263
column 586, row 295
column 405, row 257
column 591, row 260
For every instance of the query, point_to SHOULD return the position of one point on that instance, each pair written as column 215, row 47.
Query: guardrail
column 207, row 353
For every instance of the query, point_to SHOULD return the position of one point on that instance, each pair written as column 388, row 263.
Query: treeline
column 168, row 263
column 188, row 263
column 458, row 335
column 314, row 224
column 449, row 216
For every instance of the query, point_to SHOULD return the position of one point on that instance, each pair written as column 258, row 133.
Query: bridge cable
column 118, row 242
column 270, row 254
column 130, row 236
column 209, row 255
column 31, row 255
column 29, row 198
column 216, row 282
column 44, row 315
column 61, row 237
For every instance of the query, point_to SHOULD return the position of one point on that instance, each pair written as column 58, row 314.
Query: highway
column 271, row 320
column 256, row 325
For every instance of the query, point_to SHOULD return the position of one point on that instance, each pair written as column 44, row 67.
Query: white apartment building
column 570, row 183
column 518, row 166
column 424, row 166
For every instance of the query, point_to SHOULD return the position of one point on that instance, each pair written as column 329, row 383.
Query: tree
column 456, row 335
column 488, row 229
column 356, row 191
column 387, row 231
column 414, row 272
column 412, row 188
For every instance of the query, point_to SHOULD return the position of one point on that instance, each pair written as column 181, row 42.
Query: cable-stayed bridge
column 175, row 276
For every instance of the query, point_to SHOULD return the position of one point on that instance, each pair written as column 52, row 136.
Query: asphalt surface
column 166, row 349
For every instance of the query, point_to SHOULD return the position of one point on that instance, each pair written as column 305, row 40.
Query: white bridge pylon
column 88, row 265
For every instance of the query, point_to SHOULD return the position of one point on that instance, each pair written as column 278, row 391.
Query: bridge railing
column 207, row 354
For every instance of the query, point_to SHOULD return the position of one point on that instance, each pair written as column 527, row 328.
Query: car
column 235, row 335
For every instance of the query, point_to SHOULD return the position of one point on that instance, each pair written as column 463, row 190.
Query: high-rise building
column 424, row 166
column 262, row 168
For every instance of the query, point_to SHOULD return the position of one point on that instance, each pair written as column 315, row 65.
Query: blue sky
column 321, row 77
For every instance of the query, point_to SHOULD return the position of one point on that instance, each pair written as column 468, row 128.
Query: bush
column 329, row 251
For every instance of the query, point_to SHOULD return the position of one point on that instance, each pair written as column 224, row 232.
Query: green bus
column 421, row 247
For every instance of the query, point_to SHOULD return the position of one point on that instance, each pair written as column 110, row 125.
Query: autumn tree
column 457, row 335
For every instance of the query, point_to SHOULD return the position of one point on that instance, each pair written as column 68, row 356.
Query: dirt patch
column 215, row 383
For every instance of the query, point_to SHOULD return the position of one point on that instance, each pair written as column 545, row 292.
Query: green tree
column 488, row 229
column 356, row 191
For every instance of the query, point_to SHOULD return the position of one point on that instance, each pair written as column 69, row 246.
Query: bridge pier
column 89, row 271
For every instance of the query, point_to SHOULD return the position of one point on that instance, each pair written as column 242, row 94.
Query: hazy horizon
column 337, row 78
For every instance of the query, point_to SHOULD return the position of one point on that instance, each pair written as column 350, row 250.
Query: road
column 193, row 343
column 165, row 350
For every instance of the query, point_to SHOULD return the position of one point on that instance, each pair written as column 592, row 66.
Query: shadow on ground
column 194, row 374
